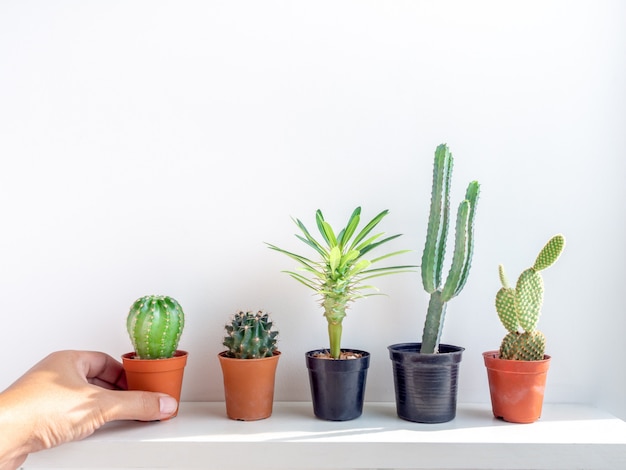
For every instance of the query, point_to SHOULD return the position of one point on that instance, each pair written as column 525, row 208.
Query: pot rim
column 495, row 355
column 221, row 355
column 330, row 365
column 312, row 352
column 131, row 356
column 176, row 362
column 407, row 347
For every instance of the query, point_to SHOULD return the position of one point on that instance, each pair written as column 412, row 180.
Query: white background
column 153, row 147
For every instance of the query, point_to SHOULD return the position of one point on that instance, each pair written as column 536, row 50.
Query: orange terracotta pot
column 516, row 387
column 156, row 375
column 249, row 386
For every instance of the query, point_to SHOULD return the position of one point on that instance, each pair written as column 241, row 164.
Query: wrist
column 14, row 433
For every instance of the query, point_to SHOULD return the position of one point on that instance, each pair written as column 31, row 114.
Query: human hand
column 66, row 397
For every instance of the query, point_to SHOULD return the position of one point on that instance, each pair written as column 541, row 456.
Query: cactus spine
column 519, row 307
column 155, row 324
column 434, row 250
column 250, row 336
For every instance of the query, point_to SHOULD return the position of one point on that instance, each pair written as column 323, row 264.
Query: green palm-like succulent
column 342, row 268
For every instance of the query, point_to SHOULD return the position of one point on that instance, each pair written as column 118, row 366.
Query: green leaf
column 362, row 248
column 358, row 267
column 313, row 244
column 368, row 228
column 302, row 279
column 334, row 259
column 298, row 258
column 389, row 255
column 309, row 239
column 319, row 219
column 351, row 226
column 371, row 246
column 328, row 234
column 386, row 271
column 348, row 258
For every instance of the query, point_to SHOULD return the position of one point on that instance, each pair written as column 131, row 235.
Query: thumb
column 139, row 405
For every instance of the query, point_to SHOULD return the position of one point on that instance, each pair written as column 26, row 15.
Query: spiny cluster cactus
column 519, row 307
column 435, row 248
column 250, row 336
column 338, row 276
column 155, row 324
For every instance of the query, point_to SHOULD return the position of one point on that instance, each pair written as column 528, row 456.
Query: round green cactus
column 250, row 336
column 155, row 324
column 520, row 307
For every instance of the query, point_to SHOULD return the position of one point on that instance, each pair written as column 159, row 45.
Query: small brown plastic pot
column 156, row 375
column 516, row 387
column 249, row 386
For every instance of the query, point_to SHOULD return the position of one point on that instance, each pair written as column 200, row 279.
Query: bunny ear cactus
column 519, row 307
column 339, row 274
column 434, row 251
column 155, row 324
column 250, row 336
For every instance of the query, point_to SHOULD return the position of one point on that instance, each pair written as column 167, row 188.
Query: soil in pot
column 337, row 385
column 249, row 386
column 516, row 387
column 156, row 375
column 425, row 384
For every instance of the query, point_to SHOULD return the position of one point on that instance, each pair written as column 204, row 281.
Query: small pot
column 516, row 387
column 337, row 385
column 425, row 384
column 249, row 386
column 156, row 375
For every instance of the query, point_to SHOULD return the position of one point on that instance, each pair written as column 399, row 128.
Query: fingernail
column 167, row 405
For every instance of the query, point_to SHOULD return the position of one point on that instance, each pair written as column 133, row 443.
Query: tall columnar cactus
column 519, row 307
column 250, row 336
column 155, row 324
column 434, row 250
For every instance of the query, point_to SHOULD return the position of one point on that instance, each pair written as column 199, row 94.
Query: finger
column 119, row 384
column 138, row 405
column 102, row 370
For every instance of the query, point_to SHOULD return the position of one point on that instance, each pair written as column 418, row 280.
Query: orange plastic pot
column 156, row 375
column 249, row 386
column 516, row 387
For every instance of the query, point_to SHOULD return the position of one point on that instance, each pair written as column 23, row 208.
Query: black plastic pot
column 337, row 385
column 425, row 384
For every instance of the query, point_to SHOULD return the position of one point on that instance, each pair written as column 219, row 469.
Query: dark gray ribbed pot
column 337, row 385
column 425, row 384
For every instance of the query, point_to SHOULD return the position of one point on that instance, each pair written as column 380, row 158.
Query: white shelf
column 201, row 436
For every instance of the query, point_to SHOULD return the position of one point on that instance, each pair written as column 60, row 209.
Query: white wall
column 152, row 147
